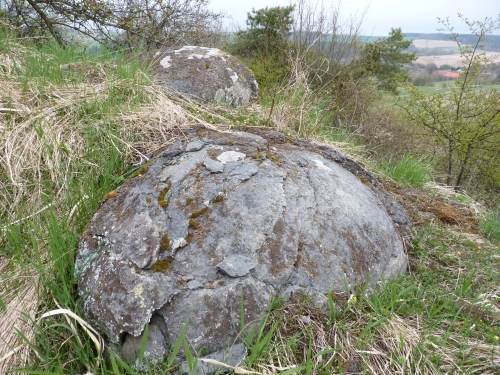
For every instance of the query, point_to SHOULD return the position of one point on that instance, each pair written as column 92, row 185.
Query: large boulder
column 219, row 218
column 206, row 74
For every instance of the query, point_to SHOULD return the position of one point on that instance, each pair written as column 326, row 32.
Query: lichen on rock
column 280, row 217
column 206, row 74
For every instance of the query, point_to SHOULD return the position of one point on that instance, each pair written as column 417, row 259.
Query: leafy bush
column 153, row 23
column 464, row 122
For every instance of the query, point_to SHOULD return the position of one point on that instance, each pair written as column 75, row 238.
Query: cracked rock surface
column 206, row 74
column 218, row 217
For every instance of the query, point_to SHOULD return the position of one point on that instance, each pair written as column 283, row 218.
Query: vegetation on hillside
column 264, row 45
column 151, row 23
column 75, row 124
column 465, row 122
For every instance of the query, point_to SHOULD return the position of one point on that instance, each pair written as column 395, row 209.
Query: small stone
column 322, row 166
column 237, row 265
column 194, row 284
column 194, row 146
column 213, row 166
column 173, row 150
column 156, row 347
column 178, row 243
column 244, row 172
column 230, row 157
column 306, row 320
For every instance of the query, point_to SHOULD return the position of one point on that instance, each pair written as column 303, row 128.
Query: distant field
column 429, row 43
column 453, row 60
column 438, row 88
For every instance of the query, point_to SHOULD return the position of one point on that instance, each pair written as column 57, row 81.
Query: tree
column 431, row 68
column 465, row 121
column 274, row 23
column 267, row 30
column 151, row 22
column 264, row 45
column 385, row 60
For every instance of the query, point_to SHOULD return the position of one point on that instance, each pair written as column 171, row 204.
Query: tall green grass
column 411, row 169
column 491, row 225
column 74, row 98
column 75, row 64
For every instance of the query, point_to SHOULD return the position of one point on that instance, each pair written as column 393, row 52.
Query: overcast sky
column 410, row 15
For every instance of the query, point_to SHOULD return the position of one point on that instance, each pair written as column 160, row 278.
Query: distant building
column 448, row 74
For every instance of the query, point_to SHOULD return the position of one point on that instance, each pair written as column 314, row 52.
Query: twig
column 27, row 217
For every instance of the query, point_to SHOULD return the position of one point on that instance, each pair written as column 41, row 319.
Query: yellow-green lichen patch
column 165, row 243
column 149, row 200
column 274, row 158
column 138, row 294
column 140, row 171
column 221, row 282
column 161, row 198
column 209, row 285
column 111, row 195
column 189, row 201
column 219, row 198
column 193, row 224
column 194, row 215
column 259, row 156
column 230, row 143
column 189, row 237
column 162, row 265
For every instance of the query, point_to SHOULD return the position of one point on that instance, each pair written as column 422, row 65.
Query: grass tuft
column 491, row 226
column 411, row 169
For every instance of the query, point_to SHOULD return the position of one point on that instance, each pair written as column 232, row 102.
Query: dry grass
column 361, row 337
column 43, row 143
column 22, row 301
column 346, row 345
column 56, row 121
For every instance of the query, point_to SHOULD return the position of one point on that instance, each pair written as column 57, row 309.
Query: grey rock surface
column 282, row 216
column 237, row 265
column 206, row 74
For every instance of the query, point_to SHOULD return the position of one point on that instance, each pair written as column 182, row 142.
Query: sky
column 411, row 15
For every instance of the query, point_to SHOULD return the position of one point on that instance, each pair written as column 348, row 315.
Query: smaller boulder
column 157, row 344
column 206, row 74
